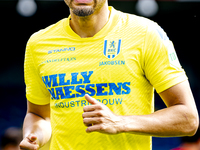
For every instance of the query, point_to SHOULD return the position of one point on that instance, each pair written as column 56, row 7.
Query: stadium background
column 180, row 19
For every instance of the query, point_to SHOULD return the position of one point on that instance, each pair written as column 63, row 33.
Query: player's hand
column 29, row 143
column 99, row 118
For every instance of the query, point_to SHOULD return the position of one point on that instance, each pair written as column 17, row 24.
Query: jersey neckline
column 112, row 22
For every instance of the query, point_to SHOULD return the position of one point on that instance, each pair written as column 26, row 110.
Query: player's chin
column 83, row 11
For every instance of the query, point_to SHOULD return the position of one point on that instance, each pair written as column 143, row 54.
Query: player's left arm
column 180, row 118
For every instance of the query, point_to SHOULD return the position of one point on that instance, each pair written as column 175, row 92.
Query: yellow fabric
column 120, row 66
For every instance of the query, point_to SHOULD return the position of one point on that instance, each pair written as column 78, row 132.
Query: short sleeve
column 36, row 91
column 161, row 64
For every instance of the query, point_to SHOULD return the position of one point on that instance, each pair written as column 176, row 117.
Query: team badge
column 112, row 48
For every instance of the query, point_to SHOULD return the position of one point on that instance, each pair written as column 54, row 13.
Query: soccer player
column 90, row 82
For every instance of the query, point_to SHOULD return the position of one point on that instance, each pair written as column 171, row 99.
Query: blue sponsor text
column 80, row 84
column 82, row 103
column 61, row 50
column 114, row 62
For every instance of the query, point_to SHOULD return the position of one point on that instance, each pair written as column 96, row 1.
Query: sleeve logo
column 173, row 59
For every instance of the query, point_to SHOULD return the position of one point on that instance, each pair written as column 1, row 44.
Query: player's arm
column 180, row 118
column 36, row 127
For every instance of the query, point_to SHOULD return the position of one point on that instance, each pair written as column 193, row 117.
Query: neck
column 88, row 26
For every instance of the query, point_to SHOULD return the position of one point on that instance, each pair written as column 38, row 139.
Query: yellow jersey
column 119, row 66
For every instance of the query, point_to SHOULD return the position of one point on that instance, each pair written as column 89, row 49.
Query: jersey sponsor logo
column 173, row 59
column 82, row 103
column 59, row 60
column 61, row 50
column 112, row 63
column 80, row 84
column 112, row 48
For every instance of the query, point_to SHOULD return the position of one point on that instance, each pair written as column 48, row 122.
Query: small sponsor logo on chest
column 61, row 50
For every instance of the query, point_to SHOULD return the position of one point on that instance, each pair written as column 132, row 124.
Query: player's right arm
column 36, row 127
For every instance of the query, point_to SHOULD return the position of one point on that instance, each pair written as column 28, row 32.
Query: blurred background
column 21, row 18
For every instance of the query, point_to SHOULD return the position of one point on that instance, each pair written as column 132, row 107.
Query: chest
column 103, row 57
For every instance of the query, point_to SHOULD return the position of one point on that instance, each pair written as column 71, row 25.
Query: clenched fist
column 99, row 118
column 29, row 143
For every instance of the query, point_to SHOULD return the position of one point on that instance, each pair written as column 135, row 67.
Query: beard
column 83, row 12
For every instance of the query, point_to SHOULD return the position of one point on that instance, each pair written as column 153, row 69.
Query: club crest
column 112, row 48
